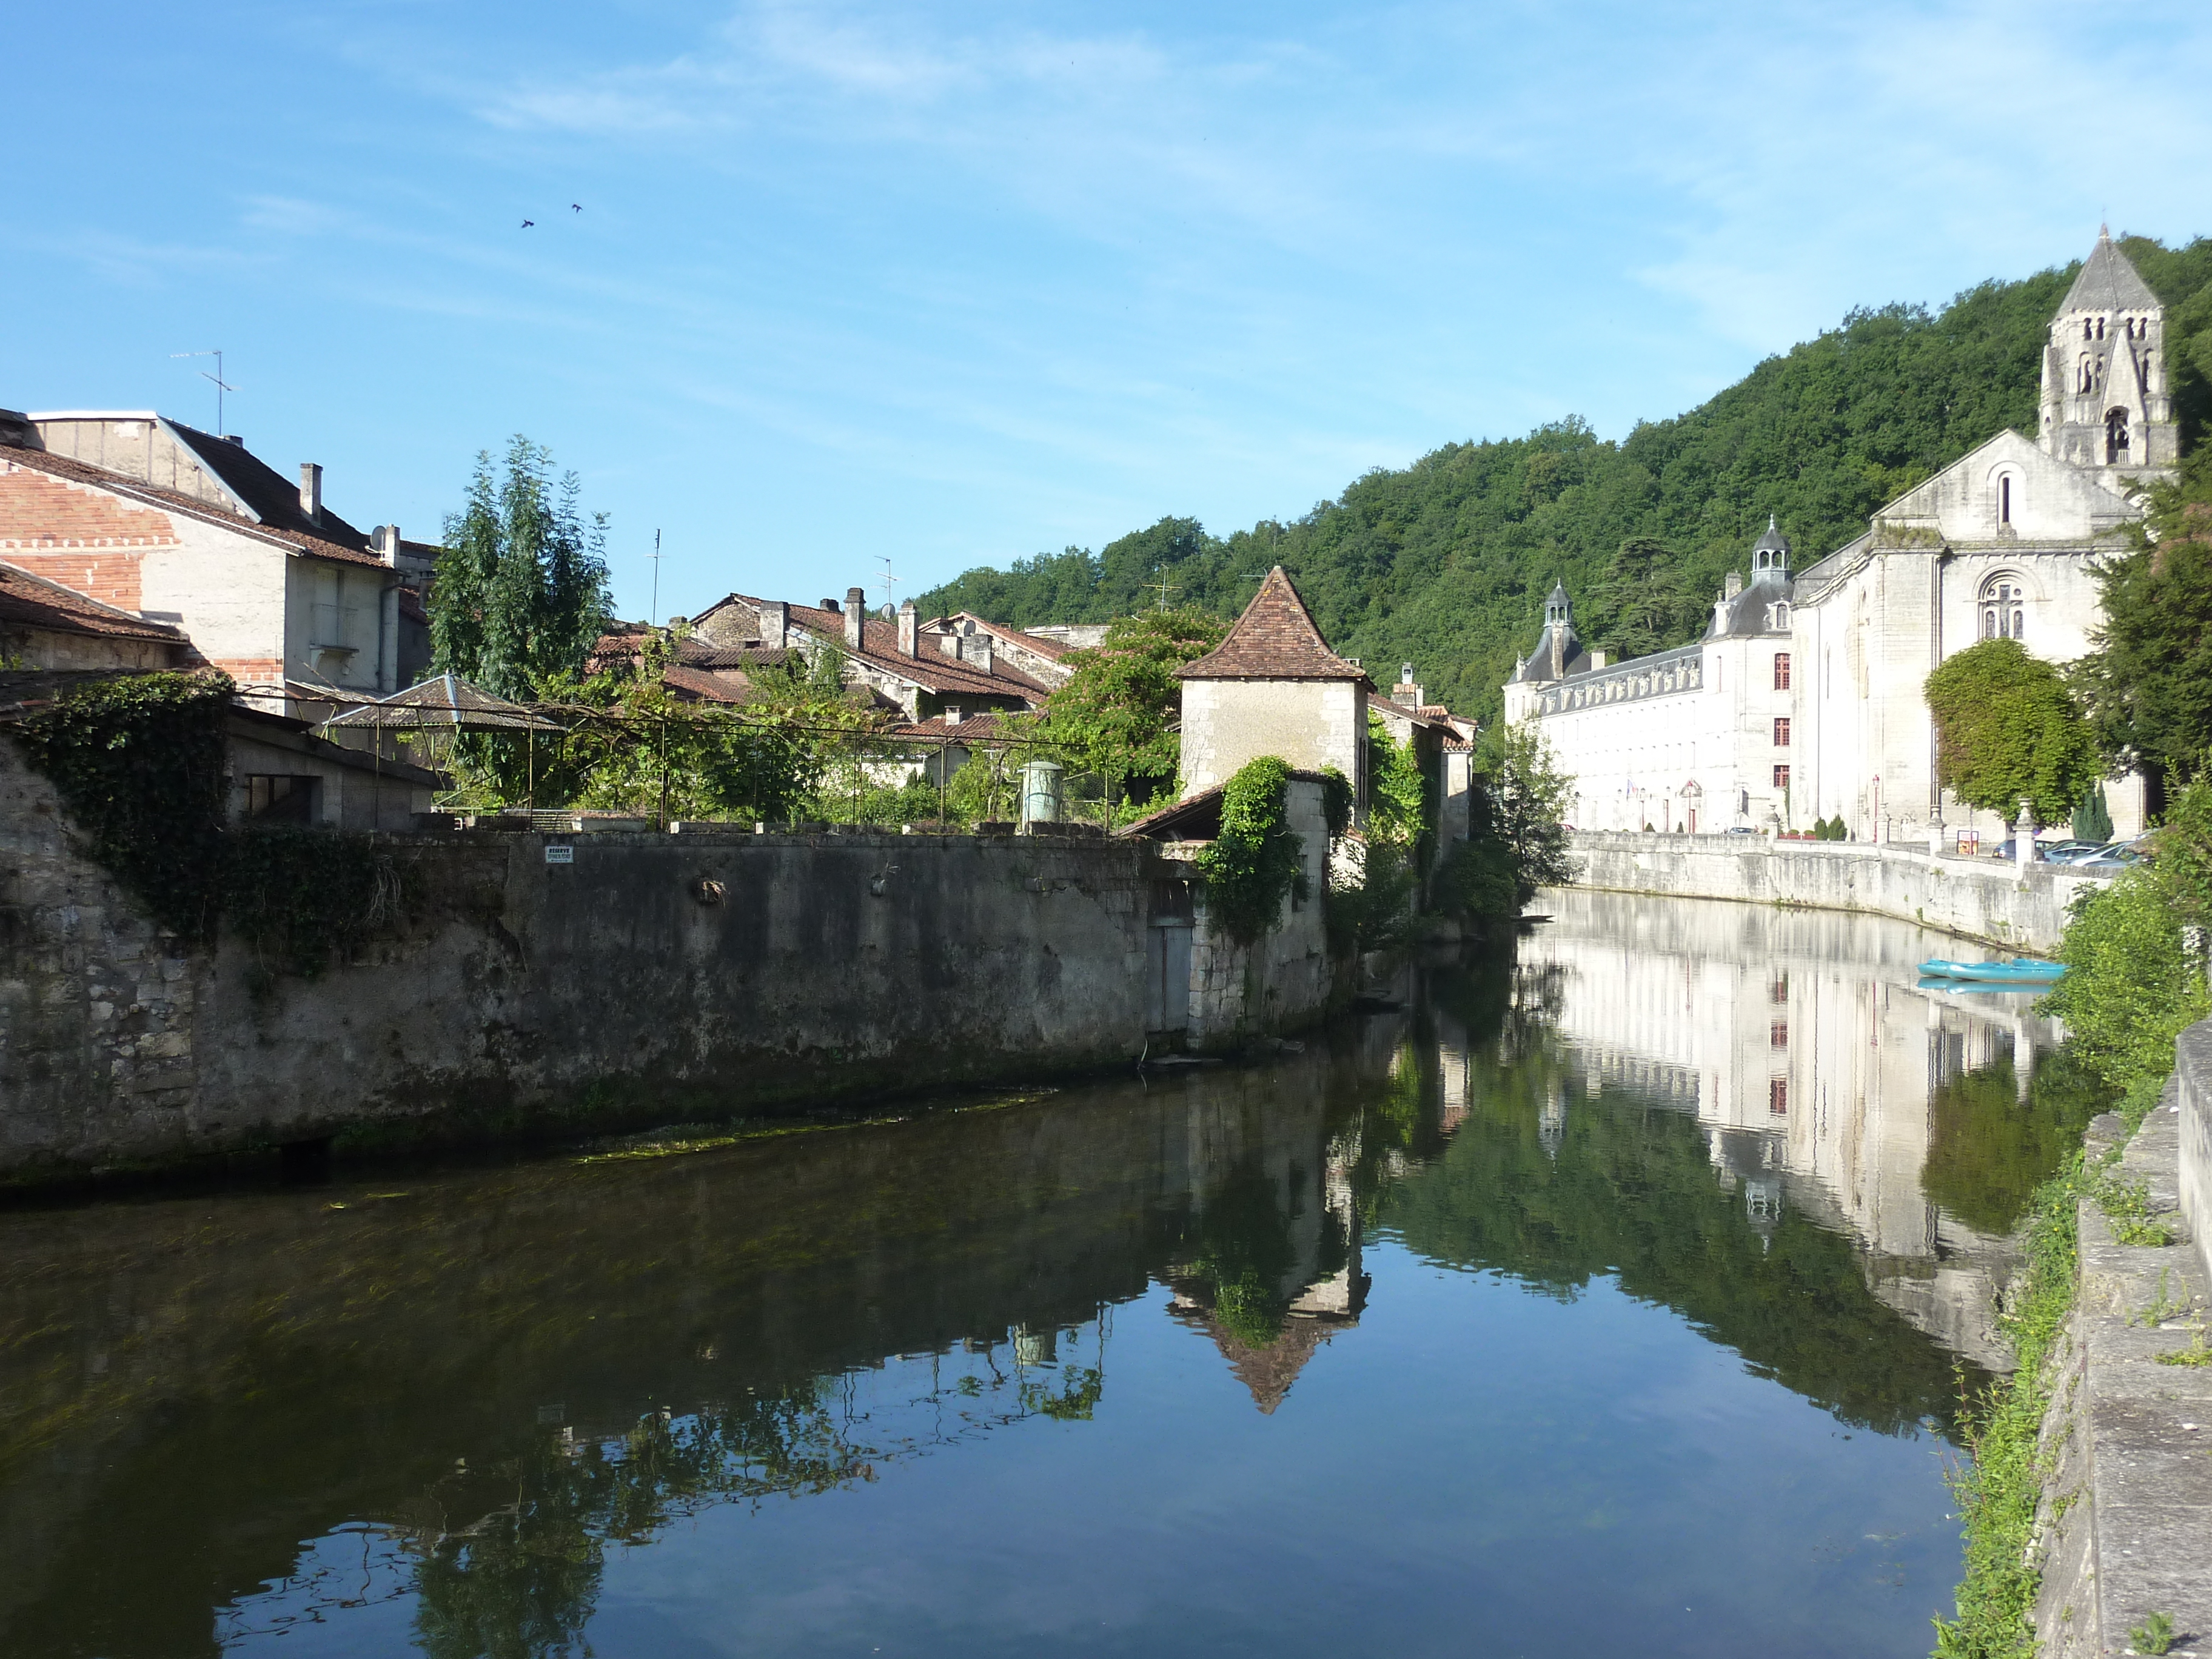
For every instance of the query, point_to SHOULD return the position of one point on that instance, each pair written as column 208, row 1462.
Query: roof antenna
column 889, row 581
column 655, row 611
column 221, row 386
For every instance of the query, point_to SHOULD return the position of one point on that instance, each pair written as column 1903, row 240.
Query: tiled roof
column 1053, row 649
column 699, row 683
column 1428, row 715
column 33, row 601
column 879, row 650
column 1275, row 639
column 1197, row 817
column 170, row 501
column 979, row 727
column 625, row 640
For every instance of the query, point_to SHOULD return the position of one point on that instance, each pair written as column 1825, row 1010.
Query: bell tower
column 2105, row 403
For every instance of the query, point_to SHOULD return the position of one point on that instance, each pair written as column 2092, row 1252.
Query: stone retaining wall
column 636, row 978
column 1974, row 898
column 2127, row 1505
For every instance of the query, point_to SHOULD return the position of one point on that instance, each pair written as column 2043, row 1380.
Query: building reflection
column 1803, row 1047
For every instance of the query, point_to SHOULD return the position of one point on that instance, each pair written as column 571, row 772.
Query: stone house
column 175, row 526
column 956, row 667
column 1273, row 687
column 45, row 625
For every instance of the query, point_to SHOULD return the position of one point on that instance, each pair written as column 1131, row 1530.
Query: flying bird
column 575, row 207
column 526, row 223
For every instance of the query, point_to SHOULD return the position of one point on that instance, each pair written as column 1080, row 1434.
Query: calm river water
column 1610, row 1301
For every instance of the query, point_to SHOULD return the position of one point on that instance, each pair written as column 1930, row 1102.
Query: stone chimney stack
column 1734, row 586
column 910, row 626
column 773, row 620
column 311, row 492
column 856, row 615
column 384, row 541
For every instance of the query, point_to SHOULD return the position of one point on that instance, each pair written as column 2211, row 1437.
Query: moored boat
column 2026, row 971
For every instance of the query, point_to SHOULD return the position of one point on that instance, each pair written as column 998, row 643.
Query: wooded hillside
column 1446, row 563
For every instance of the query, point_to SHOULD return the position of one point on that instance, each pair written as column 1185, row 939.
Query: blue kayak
column 2027, row 971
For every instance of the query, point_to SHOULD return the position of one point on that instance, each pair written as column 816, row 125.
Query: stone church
column 1803, row 700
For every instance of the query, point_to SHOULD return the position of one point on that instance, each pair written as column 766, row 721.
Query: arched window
column 2116, row 436
column 2004, row 608
column 2089, row 332
column 2101, row 328
column 2084, row 377
column 2004, row 501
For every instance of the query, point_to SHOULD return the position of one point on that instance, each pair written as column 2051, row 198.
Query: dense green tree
column 1643, row 605
column 1446, row 563
column 2147, row 685
column 521, row 593
column 1114, row 716
column 2006, row 730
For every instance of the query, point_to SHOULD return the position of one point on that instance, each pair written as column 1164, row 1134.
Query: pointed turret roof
column 2108, row 281
column 1773, row 541
column 1275, row 639
column 1558, row 594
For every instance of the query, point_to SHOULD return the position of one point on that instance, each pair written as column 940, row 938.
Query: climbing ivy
column 138, row 763
column 1256, row 862
column 297, row 896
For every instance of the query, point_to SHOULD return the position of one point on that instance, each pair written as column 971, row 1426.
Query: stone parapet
column 1973, row 898
column 2126, row 1516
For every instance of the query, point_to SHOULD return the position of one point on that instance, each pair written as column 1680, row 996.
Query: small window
column 1782, row 730
column 2085, row 376
column 1781, row 777
column 1779, row 992
column 276, row 798
column 1777, row 1035
column 2116, row 436
column 2004, row 499
column 1778, row 1097
column 1782, row 671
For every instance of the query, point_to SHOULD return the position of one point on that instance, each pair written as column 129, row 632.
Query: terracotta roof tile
column 170, row 501
column 33, row 601
column 1275, row 639
column 979, row 727
column 879, row 650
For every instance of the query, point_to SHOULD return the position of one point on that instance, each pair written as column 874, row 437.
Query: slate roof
column 27, row 600
column 273, row 498
column 2108, row 281
column 1275, row 639
column 313, row 543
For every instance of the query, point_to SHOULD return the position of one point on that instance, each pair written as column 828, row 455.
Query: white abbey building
column 1803, row 699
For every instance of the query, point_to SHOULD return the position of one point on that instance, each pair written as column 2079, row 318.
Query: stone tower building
column 2105, row 399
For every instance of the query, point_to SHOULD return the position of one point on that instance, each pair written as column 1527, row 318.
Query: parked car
column 2109, row 859
column 2069, row 852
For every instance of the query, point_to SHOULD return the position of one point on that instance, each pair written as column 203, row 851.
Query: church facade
column 1803, row 699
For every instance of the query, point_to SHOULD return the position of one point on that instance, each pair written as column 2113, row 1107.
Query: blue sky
column 960, row 283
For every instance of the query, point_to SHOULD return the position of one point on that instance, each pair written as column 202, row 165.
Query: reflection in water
column 1534, row 1280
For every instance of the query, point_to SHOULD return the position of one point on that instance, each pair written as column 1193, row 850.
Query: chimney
column 975, row 651
column 856, row 614
column 311, row 492
column 773, row 618
column 831, row 605
column 384, row 541
column 1735, row 585
column 951, row 713
column 910, row 626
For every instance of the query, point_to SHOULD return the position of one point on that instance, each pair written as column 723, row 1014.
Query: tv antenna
column 651, row 619
column 889, row 581
column 221, row 385
column 1166, row 588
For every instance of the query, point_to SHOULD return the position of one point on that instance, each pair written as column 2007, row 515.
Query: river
column 1614, row 1298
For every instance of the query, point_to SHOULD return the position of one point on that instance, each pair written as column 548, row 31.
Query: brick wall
column 80, row 536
